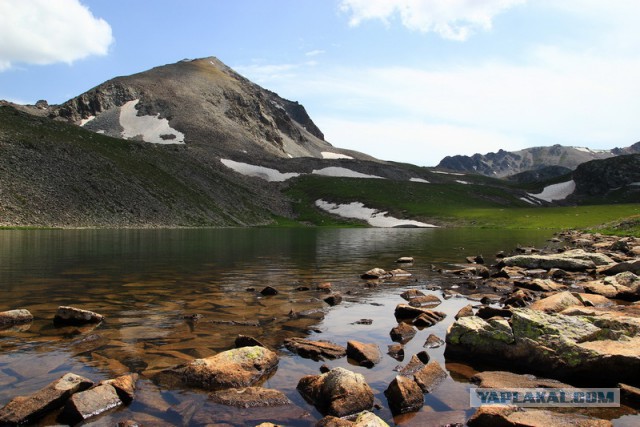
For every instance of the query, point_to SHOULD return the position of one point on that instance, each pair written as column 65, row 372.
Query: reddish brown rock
column 465, row 311
column 15, row 317
column 556, row 302
column 406, row 311
column 364, row 354
column 240, row 367
column 125, row 386
column 417, row 362
column 492, row 416
column 339, row 392
column 404, row 395
column 76, row 316
column 315, row 349
column 24, row 409
column 430, row 376
column 90, row 403
column 402, row 333
column 250, row 397
column 333, row 299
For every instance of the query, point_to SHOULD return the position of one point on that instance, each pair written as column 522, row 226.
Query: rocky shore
column 567, row 316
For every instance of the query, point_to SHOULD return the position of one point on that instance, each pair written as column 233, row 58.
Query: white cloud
column 450, row 19
column 49, row 31
column 315, row 52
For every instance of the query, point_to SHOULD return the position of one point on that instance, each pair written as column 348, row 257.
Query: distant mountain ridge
column 507, row 163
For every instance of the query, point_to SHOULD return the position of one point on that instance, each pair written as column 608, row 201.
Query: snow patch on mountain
column 342, row 173
column 268, row 174
column 558, row 191
column 374, row 217
column 331, row 155
column 151, row 128
column 419, row 180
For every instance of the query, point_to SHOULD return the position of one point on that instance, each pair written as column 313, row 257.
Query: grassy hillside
column 446, row 204
column 57, row 174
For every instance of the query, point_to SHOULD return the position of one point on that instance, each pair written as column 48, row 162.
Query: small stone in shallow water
column 433, row 342
column 269, row 291
column 76, row 316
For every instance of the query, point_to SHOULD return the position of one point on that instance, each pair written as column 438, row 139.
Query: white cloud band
column 450, row 19
column 49, row 31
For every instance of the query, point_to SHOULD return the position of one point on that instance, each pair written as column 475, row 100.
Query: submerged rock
column 491, row 416
column 503, row 379
column 404, row 395
column 90, row 403
column 125, row 386
column 433, row 341
column 15, row 317
column 364, row 354
column 240, row 367
column 339, row 392
column 76, row 316
column 315, row 349
column 402, row 333
column 25, row 409
column 375, row 273
column 430, row 376
column 250, row 397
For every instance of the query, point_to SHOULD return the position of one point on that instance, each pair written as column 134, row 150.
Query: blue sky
column 403, row 80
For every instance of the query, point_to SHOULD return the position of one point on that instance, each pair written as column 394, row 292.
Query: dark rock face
column 339, row 392
column 600, row 177
column 22, row 410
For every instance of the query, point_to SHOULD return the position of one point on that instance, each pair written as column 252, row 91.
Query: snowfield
column 558, row 191
column 419, row 180
column 271, row 175
column 330, row 155
column 448, row 173
column 87, row 120
column 342, row 173
column 151, row 128
column 374, row 217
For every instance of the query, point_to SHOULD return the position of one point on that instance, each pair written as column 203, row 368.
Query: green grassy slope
column 445, row 204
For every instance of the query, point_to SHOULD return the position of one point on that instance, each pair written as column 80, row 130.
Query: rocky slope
column 203, row 104
column 58, row 174
column 612, row 180
column 506, row 163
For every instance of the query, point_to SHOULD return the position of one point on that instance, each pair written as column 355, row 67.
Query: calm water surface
column 146, row 281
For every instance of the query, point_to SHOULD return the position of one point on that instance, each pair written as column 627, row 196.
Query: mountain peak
column 215, row 109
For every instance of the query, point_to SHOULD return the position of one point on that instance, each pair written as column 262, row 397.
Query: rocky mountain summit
column 204, row 104
column 506, row 163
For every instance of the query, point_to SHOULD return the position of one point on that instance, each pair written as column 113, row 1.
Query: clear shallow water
column 146, row 281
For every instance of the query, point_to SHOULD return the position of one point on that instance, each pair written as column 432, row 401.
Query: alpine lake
column 149, row 282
